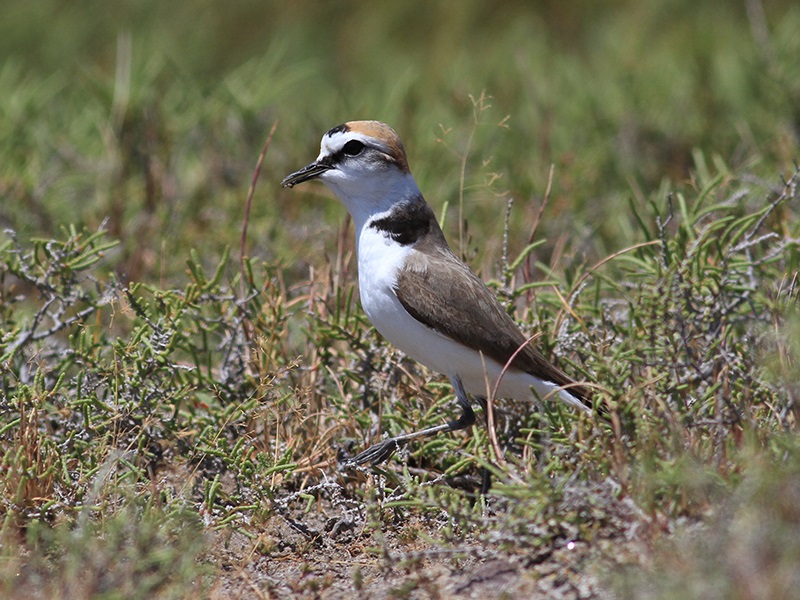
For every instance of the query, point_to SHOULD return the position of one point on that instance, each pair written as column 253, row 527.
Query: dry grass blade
column 251, row 191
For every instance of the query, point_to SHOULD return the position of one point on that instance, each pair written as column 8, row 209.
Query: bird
column 417, row 293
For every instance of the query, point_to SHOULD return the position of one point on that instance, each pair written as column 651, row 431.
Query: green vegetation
column 171, row 411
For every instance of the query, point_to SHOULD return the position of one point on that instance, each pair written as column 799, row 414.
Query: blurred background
column 152, row 115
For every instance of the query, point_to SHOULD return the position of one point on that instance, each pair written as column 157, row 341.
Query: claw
column 374, row 455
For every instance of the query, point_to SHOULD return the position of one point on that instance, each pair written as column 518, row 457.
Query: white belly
column 378, row 262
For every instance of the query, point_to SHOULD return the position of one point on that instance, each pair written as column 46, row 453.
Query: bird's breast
column 379, row 260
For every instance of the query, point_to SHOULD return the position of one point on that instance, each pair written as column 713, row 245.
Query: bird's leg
column 378, row 453
column 486, row 474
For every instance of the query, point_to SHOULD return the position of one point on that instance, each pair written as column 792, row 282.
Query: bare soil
column 334, row 551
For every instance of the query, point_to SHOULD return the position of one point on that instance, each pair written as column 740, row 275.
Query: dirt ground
column 334, row 552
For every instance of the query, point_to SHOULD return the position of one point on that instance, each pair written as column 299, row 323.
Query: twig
column 256, row 173
column 246, row 326
column 527, row 270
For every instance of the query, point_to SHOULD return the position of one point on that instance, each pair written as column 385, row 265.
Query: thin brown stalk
column 246, row 325
column 527, row 268
column 251, row 191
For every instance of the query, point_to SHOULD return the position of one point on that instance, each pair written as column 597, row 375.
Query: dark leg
column 486, row 474
column 378, row 453
column 486, row 481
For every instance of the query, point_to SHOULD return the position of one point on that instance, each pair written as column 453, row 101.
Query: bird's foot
column 374, row 455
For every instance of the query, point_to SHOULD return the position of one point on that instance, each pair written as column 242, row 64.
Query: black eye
column 353, row 148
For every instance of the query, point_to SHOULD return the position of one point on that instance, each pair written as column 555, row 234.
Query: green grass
column 171, row 412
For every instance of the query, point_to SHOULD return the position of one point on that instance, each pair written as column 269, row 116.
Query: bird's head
column 365, row 165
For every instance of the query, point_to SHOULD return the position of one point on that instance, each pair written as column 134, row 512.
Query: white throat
column 371, row 197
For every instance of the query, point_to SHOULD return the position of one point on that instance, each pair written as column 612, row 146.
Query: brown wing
column 445, row 285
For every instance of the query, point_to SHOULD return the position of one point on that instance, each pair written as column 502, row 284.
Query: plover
column 416, row 292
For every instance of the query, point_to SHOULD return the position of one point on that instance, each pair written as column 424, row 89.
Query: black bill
column 311, row 171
